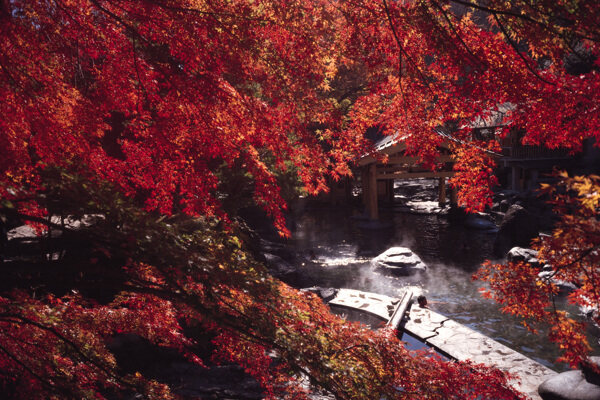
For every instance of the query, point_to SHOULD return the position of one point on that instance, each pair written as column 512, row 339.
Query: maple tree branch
column 422, row 76
column 132, row 31
column 350, row 348
column 66, row 340
column 107, row 370
column 516, row 49
column 242, row 330
column 396, row 37
column 428, row 86
column 26, row 217
column 64, row 9
column 192, row 300
column 16, row 83
column 142, row 88
column 497, row 11
column 5, row 9
column 583, row 268
column 17, row 339
column 523, row 17
column 210, row 13
column 43, row 381
column 351, row 92
column 334, row 387
column 581, row 256
column 458, row 35
column 8, row 74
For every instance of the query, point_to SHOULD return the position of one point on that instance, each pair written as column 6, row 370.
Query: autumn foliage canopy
column 126, row 125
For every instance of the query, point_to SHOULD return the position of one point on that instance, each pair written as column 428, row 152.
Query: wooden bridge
column 378, row 179
column 447, row 336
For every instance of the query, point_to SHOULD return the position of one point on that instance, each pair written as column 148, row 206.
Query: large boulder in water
column 589, row 369
column 518, row 227
column 279, row 267
column 564, row 287
column 399, row 261
column 529, row 256
column 570, row 385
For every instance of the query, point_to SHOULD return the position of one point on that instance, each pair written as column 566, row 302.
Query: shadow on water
column 336, row 253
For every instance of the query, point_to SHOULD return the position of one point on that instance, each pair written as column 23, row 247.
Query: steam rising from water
column 335, row 253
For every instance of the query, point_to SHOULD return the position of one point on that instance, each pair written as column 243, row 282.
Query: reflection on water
column 336, row 253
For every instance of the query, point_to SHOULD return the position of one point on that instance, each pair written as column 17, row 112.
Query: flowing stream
column 335, row 252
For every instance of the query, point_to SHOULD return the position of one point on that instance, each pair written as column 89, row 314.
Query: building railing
column 533, row 152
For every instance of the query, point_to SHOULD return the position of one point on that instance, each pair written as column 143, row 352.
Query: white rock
column 399, row 260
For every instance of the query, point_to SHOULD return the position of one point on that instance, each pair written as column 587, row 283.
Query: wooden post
column 442, row 191
column 390, row 190
column 515, row 177
column 372, row 193
column 347, row 190
column 533, row 180
column 364, row 177
column 453, row 196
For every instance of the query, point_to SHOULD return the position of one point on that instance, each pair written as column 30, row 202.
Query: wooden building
column 524, row 163
column 520, row 165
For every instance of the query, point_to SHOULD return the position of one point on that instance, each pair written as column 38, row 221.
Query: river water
column 336, row 252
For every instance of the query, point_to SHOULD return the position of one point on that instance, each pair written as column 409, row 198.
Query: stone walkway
column 377, row 304
column 449, row 337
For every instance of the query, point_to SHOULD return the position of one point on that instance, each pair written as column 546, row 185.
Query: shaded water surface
column 336, row 252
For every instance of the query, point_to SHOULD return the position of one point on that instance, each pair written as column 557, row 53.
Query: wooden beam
column 372, row 194
column 412, row 175
column 367, row 160
column 415, row 160
column 401, row 159
column 393, row 149
column 383, row 169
